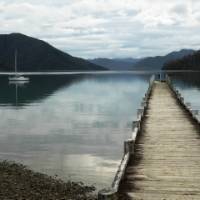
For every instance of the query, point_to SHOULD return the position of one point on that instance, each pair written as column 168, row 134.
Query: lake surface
column 189, row 86
column 71, row 125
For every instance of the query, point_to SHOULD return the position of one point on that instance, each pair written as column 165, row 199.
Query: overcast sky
column 106, row 28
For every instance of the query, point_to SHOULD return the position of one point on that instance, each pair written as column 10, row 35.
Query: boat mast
column 16, row 61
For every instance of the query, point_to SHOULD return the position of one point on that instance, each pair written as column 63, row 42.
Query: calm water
column 189, row 86
column 71, row 125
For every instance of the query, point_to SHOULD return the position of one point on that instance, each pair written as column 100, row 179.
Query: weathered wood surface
column 166, row 163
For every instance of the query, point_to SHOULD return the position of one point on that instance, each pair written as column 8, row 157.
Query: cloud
column 106, row 28
column 180, row 9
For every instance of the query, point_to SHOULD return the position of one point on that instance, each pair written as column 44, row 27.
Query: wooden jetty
column 162, row 159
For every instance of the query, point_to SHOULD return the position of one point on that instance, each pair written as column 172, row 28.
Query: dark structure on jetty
column 162, row 159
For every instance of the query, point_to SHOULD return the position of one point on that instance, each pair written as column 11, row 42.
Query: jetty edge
column 112, row 192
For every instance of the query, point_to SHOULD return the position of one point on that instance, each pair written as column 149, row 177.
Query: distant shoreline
column 95, row 72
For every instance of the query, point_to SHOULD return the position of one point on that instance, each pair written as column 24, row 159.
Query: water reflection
column 71, row 125
column 189, row 85
column 38, row 88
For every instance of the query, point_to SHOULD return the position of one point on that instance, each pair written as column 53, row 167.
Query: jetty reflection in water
column 189, row 86
column 70, row 125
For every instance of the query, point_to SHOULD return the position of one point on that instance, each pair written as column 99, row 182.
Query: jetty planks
column 166, row 162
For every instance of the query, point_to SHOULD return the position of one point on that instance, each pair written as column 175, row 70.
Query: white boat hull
column 18, row 78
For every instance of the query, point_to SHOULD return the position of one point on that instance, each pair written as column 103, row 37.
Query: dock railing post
column 107, row 194
column 135, row 124
column 129, row 146
column 140, row 112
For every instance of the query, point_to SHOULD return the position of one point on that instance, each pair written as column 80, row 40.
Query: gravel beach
column 20, row 183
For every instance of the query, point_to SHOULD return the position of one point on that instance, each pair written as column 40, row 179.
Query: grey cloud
column 105, row 28
column 180, row 9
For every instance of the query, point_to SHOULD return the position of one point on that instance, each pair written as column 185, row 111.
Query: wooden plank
column 166, row 163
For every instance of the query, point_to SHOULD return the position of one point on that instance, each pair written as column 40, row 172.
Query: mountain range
column 189, row 62
column 157, row 63
column 37, row 55
column 148, row 63
column 115, row 64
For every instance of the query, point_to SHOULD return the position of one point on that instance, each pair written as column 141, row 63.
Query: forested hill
column 156, row 63
column 115, row 63
column 37, row 55
column 190, row 62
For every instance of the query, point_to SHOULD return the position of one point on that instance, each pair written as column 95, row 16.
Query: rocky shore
column 20, row 183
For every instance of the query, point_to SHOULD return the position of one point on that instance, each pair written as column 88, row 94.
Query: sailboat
column 17, row 77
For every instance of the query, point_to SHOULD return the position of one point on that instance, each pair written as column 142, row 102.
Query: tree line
column 189, row 62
